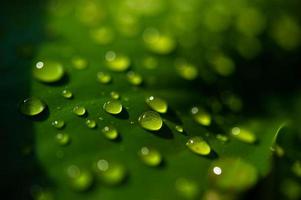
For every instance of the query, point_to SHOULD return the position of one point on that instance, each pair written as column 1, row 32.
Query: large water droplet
column 150, row 120
column 79, row 110
column 48, row 71
column 67, row 94
column 134, row 78
column 243, row 135
column 91, row 123
column 118, row 63
column 232, row 174
column 110, row 173
column 201, row 116
column 104, row 78
column 157, row 104
column 62, row 139
column 198, row 145
column 110, row 132
column 32, row 106
column 59, row 124
column 150, row 156
column 113, row 107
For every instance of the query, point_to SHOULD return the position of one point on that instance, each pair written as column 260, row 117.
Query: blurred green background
column 236, row 60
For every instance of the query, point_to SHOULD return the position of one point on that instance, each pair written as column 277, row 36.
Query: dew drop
column 243, row 135
column 232, row 174
column 110, row 173
column 79, row 63
column 59, row 124
column 179, row 128
column 187, row 188
column 114, row 95
column 198, row 145
column 110, row 132
column 187, row 71
column 157, row 104
column 134, row 78
column 48, row 71
column 81, row 180
column 118, row 63
column 62, row 139
column 150, row 62
column 150, row 156
column 104, row 78
column 67, row 94
column 32, row 106
column 79, row 110
column 90, row 123
column 222, row 138
column 150, row 120
column 201, row 116
column 113, row 107
column 102, row 35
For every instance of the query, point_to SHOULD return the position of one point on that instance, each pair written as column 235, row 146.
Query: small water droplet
column 187, row 188
column 102, row 35
column 110, row 173
column 243, row 135
column 90, row 123
column 59, row 124
column 179, row 128
column 150, row 156
column 81, row 180
column 104, row 78
column 79, row 110
column 115, row 95
column 63, row 139
column 48, row 71
column 187, row 71
column 150, row 120
column 150, row 62
column 32, row 106
column 79, row 63
column 118, row 63
column 67, row 94
column 157, row 104
column 134, row 78
column 222, row 138
column 198, row 145
column 110, row 132
column 201, row 116
column 113, row 107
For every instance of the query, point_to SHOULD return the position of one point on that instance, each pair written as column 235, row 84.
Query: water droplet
column 113, row 107
column 222, row 138
column 48, row 71
column 157, row 104
column 79, row 63
column 232, row 174
column 115, row 95
column 179, row 128
column 150, row 156
column 150, row 62
column 59, row 124
column 79, row 110
column 118, row 63
column 102, row 35
column 243, row 135
column 223, row 65
column 201, row 116
column 110, row 132
column 63, row 139
column 104, row 78
column 67, row 94
column 296, row 168
column 150, row 120
column 32, row 106
column 91, row 123
column 134, row 78
column 158, row 43
column 110, row 173
column 278, row 150
column 187, row 71
column 187, row 188
column 198, row 145
column 81, row 180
